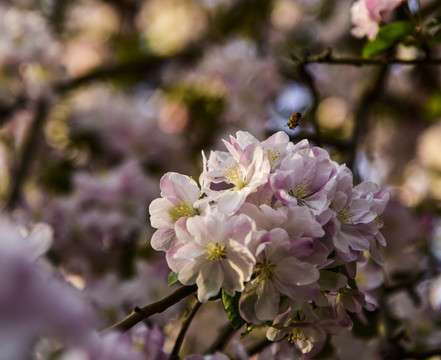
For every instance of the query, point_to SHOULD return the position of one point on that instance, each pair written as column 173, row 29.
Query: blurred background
column 99, row 98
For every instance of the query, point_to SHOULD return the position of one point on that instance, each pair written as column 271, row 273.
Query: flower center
column 215, row 252
column 301, row 191
column 346, row 216
column 182, row 209
column 296, row 335
column 272, row 155
column 264, row 270
column 235, row 176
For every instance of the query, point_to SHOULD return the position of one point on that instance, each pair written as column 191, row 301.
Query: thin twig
column 326, row 57
column 138, row 314
column 259, row 346
column 185, row 325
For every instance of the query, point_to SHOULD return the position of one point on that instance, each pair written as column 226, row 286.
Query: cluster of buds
column 277, row 225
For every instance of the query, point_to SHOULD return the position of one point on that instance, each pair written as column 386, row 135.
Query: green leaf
column 388, row 37
column 231, row 306
column 172, row 278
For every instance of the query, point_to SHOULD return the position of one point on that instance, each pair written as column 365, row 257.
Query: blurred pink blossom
column 367, row 14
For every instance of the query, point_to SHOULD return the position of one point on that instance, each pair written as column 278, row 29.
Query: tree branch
column 185, row 325
column 326, row 57
column 138, row 314
column 21, row 168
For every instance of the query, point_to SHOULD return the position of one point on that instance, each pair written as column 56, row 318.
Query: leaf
column 388, row 37
column 231, row 306
column 172, row 278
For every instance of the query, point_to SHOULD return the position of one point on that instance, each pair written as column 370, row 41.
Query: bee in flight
column 294, row 120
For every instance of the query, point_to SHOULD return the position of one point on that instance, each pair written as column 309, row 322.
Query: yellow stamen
column 272, row 155
column 301, row 191
column 265, row 270
column 235, row 176
column 345, row 216
column 182, row 209
column 215, row 252
column 296, row 335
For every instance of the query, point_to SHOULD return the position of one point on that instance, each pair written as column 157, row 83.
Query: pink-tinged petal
column 188, row 273
column 265, row 216
column 39, row 240
column 247, row 301
column 301, row 223
column 159, row 216
column 189, row 252
column 301, row 293
column 240, row 226
column 301, row 248
column 380, row 239
column 319, row 256
column 162, row 239
column 381, row 199
column 239, row 263
column 176, row 186
column 205, row 229
column 231, row 201
column 351, row 269
column 267, row 302
column 293, row 271
column 350, row 236
column 377, row 256
column 209, row 280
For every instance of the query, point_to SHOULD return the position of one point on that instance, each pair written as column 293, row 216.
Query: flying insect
column 294, row 120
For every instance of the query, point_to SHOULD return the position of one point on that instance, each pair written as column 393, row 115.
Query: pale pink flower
column 178, row 202
column 302, row 327
column 306, row 178
column 243, row 172
column 278, row 272
column 367, row 14
column 213, row 254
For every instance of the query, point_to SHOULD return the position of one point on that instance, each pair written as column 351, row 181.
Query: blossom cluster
column 279, row 224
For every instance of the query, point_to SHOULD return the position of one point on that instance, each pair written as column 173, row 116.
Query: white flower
column 213, row 254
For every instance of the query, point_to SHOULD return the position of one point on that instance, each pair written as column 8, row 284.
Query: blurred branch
column 258, row 347
column 225, row 23
column 21, row 168
column 147, row 66
column 222, row 340
column 138, row 314
column 185, row 325
column 326, row 57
